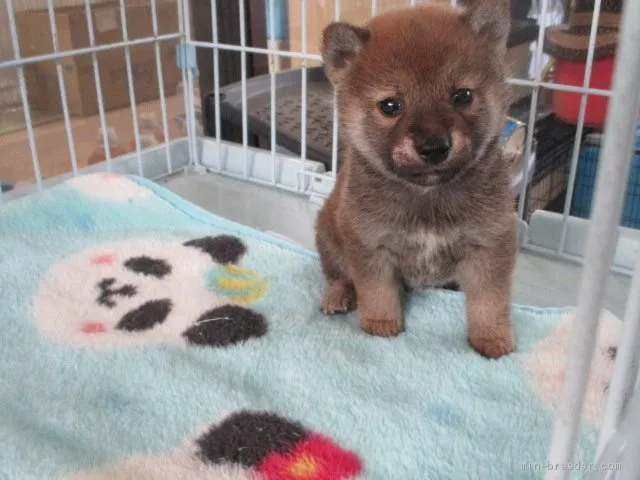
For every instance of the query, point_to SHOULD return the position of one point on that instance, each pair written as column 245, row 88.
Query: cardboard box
column 41, row 78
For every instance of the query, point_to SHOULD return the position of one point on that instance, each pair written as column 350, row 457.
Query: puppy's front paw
column 382, row 328
column 492, row 345
column 340, row 297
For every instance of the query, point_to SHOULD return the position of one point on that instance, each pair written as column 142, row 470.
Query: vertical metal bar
column 183, row 22
column 609, row 193
column 63, row 89
column 189, row 88
column 163, row 102
column 625, row 370
column 96, row 74
column 335, row 135
column 243, row 72
column 216, row 78
column 272, row 66
column 23, row 95
column 622, row 450
column 132, row 94
column 533, row 109
column 303, row 112
column 631, row 460
column 374, row 7
column 580, row 127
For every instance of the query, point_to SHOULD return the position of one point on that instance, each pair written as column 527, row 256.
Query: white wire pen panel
column 609, row 195
column 304, row 42
column 99, row 90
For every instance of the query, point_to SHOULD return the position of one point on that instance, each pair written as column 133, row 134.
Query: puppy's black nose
column 433, row 150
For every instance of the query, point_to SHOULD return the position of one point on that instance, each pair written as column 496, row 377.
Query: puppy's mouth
column 431, row 177
column 409, row 167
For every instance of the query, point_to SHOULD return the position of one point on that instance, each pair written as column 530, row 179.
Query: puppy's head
column 421, row 90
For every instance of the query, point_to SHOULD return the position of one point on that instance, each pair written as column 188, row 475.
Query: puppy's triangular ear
column 341, row 43
column 490, row 19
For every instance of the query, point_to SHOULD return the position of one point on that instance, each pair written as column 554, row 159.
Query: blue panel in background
column 281, row 20
column 586, row 179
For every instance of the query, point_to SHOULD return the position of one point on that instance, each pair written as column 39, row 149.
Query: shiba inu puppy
column 423, row 197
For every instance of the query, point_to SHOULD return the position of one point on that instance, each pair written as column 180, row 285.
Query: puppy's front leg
column 485, row 278
column 378, row 295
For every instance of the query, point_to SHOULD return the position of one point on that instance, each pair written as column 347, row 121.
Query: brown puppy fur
column 423, row 196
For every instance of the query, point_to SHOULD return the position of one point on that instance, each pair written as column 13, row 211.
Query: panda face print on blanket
column 145, row 291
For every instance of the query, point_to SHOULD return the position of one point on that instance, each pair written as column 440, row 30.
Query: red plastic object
column 566, row 105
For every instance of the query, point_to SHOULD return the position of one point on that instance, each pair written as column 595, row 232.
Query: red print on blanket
column 246, row 445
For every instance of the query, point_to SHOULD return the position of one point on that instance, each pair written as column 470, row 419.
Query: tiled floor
column 539, row 280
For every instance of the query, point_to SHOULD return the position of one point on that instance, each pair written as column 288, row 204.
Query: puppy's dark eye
column 462, row 97
column 390, row 107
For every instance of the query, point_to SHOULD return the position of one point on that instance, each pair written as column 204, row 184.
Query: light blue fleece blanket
column 144, row 338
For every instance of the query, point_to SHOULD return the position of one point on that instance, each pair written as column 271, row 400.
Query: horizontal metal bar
column 155, row 168
column 301, row 55
column 84, row 51
column 569, row 257
column 558, row 86
column 247, row 49
column 316, row 175
column 259, row 181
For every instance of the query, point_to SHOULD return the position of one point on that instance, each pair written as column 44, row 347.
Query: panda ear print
column 222, row 248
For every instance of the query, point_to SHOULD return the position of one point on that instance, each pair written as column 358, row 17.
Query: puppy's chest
column 425, row 258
